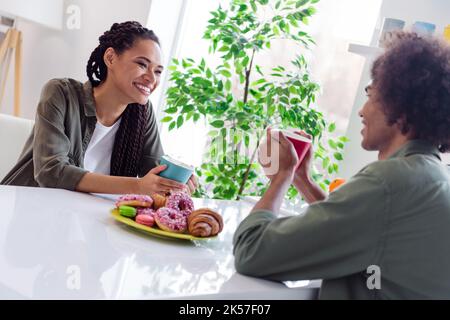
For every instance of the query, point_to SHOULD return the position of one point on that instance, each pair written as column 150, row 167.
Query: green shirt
column 53, row 155
column 393, row 214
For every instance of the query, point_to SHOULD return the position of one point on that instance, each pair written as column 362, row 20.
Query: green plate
column 154, row 231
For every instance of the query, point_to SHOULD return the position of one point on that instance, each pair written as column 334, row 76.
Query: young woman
column 101, row 136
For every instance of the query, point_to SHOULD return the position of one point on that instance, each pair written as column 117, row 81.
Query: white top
column 98, row 154
column 83, row 253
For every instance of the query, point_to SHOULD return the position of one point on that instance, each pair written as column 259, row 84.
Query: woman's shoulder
column 60, row 93
column 62, row 85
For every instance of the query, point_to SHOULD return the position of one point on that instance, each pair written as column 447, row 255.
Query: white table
column 57, row 244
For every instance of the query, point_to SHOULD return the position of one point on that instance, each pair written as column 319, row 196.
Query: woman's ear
column 109, row 57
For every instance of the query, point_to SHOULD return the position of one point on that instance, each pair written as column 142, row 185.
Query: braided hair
column 129, row 140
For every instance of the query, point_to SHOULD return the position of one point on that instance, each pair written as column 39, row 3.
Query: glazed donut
column 180, row 201
column 169, row 219
column 145, row 216
column 134, row 200
column 159, row 201
column 204, row 223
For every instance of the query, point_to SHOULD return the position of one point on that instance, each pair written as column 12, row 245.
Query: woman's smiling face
column 136, row 72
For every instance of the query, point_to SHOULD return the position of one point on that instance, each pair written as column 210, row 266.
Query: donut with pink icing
column 143, row 210
column 134, row 200
column 169, row 219
column 181, row 202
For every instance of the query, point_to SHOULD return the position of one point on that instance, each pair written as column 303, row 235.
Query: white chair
column 13, row 134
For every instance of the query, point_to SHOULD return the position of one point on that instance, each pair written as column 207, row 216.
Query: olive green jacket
column 384, row 234
column 53, row 155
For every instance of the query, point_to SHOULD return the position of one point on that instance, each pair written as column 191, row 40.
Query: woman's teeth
column 142, row 88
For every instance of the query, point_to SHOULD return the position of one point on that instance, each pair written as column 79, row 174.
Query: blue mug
column 176, row 170
column 423, row 28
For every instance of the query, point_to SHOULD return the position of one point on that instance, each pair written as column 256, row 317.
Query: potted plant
column 239, row 99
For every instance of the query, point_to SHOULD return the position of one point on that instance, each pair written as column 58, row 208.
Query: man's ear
column 109, row 57
column 403, row 126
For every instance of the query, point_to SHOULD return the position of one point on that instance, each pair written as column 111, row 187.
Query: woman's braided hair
column 129, row 140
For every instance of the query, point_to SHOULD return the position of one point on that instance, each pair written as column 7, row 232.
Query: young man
column 385, row 233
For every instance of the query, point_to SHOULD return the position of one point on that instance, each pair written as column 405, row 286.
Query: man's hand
column 281, row 159
column 304, row 168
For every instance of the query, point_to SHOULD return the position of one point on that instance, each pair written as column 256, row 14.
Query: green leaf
column 325, row 162
column 213, row 133
column 258, row 69
column 332, row 144
column 228, row 85
column 217, row 123
column 187, row 108
column 166, row 119
column 338, row 156
column 260, row 81
column 172, row 125
column 180, row 121
column 300, row 3
column 332, row 127
column 225, row 73
column 224, row 49
column 171, row 110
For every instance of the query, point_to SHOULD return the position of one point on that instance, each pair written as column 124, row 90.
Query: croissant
column 204, row 223
column 159, row 201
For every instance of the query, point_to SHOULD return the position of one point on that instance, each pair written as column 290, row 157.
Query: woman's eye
column 158, row 71
column 143, row 65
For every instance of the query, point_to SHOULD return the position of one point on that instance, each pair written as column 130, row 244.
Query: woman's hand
column 192, row 184
column 152, row 183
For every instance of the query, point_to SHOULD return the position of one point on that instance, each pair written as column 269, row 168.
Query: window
column 334, row 26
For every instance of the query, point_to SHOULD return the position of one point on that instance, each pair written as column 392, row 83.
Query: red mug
column 301, row 143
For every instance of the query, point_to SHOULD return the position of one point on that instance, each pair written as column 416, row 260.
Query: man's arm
column 333, row 238
column 272, row 199
column 310, row 191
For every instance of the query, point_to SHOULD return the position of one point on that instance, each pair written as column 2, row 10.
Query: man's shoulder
column 402, row 171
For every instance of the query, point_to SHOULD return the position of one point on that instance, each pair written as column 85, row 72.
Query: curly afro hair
column 412, row 79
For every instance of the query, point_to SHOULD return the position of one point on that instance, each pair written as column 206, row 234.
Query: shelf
column 363, row 50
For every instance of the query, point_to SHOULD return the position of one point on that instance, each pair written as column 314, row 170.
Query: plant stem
column 247, row 77
column 247, row 172
column 247, row 84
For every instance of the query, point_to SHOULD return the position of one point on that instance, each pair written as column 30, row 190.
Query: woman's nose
column 151, row 79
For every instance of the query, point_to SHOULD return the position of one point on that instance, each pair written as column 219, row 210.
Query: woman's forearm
column 310, row 191
column 99, row 183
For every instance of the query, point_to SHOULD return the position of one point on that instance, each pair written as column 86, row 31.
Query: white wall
column 166, row 19
column 434, row 11
column 50, row 53
column 46, row 12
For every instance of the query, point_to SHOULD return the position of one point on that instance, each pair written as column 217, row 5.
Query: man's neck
column 109, row 104
column 396, row 143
